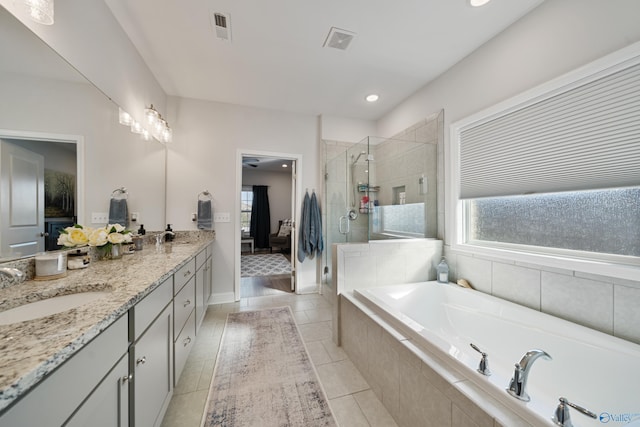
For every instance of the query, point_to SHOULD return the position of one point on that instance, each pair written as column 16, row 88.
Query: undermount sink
column 49, row 306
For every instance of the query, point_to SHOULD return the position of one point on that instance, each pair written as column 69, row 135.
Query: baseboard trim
column 222, row 298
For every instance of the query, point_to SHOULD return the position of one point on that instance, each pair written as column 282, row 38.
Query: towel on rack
column 205, row 215
column 304, row 229
column 119, row 212
column 316, row 243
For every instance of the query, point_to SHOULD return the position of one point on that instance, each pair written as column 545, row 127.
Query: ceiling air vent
column 222, row 25
column 338, row 38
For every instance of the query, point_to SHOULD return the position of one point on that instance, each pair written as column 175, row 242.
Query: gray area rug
column 263, row 375
column 264, row 265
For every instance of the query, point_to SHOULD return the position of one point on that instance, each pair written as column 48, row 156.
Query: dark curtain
column 260, row 217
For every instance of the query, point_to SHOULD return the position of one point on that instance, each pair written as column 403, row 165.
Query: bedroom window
column 246, row 204
column 555, row 171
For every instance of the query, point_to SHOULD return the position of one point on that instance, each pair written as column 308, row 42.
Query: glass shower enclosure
column 379, row 189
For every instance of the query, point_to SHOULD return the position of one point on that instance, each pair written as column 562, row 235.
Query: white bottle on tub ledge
column 443, row 271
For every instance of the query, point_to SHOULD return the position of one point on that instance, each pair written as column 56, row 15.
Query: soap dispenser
column 141, row 230
column 168, row 237
column 443, row 271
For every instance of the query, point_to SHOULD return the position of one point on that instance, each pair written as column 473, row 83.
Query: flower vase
column 109, row 251
column 116, row 250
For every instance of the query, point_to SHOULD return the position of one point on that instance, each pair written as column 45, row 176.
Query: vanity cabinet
column 151, row 356
column 108, row 405
column 72, row 387
column 125, row 376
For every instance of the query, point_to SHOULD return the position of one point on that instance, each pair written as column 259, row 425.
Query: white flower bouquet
column 102, row 238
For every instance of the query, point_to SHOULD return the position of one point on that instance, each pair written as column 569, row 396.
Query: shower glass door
column 345, row 175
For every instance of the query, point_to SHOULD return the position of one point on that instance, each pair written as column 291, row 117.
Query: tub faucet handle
column 562, row 417
column 483, row 367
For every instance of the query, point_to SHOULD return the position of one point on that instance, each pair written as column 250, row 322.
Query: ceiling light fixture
column 478, row 3
column 284, row 165
column 372, row 97
column 41, row 11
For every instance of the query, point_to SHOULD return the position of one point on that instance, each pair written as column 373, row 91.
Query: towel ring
column 206, row 194
column 120, row 193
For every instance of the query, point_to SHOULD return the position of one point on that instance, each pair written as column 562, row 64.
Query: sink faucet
column 14, row 274
column 518, row 384
column 159, row 236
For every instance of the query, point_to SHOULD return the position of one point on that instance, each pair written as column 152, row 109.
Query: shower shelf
column 364, row 189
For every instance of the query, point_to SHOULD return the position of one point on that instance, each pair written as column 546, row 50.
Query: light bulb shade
column 40, row 11
column 145, row 135
column 152, row 115
column 167, row 134
column 124, row 118
column 136, row 127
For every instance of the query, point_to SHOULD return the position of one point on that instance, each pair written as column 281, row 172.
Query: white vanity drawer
column 182, row 276
column 201, row 258
column 183, row 305
column 183, row 345
column 148, row 309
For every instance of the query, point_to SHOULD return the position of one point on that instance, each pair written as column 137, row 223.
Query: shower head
column 369, row 157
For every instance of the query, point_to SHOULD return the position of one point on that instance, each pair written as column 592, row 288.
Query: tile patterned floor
column 351, row 399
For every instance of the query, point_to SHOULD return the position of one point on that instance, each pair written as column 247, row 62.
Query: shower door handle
column 341, row 229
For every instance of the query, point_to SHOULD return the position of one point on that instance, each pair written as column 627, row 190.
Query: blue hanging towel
column 303, row 231
column 315, row 227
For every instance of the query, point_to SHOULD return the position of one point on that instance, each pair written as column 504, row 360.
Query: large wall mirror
column 50, row 110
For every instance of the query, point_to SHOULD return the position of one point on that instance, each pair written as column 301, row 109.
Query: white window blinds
column 587, row 137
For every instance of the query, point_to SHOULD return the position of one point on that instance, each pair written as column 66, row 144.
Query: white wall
column 555, row 38
column 113, row 157
column 88, row 36
column 344, row 129
column 279, row 184
column 207, row 137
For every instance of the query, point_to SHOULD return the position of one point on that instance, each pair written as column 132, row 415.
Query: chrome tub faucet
column 518, row 384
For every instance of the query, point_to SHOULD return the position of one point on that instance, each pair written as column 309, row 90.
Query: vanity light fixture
column 372, row 97
column 40, row 11
column 153, row 126
column 478, row 3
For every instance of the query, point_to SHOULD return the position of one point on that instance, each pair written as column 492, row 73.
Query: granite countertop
column 30, row 350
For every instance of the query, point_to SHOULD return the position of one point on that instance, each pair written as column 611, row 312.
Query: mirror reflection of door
column 21, row 201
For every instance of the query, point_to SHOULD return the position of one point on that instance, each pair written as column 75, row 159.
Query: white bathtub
column 589, row 368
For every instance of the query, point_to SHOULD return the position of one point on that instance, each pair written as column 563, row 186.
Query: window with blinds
column 557, row 172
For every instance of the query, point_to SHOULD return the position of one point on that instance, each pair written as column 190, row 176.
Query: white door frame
column 57, row 137
column 240, row 153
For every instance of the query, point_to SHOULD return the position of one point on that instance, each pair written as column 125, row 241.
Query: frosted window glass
column 600, row 221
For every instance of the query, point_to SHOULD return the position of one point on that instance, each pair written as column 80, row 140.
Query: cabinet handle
column 187, row 273
column 186, row 341
column 186, row 303
column 126, row 378
column 141, row 361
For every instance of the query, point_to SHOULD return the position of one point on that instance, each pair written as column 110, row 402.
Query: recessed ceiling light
column 372, row 98
column 284, row 165
column 478, row 3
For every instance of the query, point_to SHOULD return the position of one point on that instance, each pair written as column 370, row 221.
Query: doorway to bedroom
column 266, row 212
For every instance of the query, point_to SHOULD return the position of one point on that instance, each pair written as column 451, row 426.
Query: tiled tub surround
column 32, row 349
column 416, row 386
column 379, row 263
column 607, row 304
column 444, row 319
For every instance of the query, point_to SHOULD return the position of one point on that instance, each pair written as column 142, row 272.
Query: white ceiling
column 276, row 57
